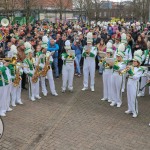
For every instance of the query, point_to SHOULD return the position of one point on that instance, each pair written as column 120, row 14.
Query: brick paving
column 76, row 121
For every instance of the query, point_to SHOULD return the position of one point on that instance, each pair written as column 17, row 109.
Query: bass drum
column 1, row 128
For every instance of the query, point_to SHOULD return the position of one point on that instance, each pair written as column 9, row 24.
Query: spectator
column 140, row 44
column 1, row 52
column 53, row 47
column 110, row 30
column 61, row 43
column 96, row 40
column 101, row 48
column 78, row 53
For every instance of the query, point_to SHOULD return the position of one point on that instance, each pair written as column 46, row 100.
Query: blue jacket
column 53, row 48
column 78, row 49
column 110, row 30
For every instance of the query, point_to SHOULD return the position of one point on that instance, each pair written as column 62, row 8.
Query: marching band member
column 68, row 67
column 144, row 78
column 117, row 79
column 127, row 58
column 15, row 72
column 107, row 77
column 134, row 72
column 89, row 54
column 45, row 64
column 16, row 92
column 5, row 80
column 31, row 72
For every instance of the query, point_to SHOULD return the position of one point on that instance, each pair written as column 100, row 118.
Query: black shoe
column 57, row 77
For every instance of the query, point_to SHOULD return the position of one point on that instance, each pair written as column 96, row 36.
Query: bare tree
column 29, row 6
column 61, row 6
column 79, row 5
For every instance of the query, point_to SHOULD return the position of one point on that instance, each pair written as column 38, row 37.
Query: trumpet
column 124, row 71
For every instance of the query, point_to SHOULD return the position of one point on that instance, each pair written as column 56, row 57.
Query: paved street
column 76, row 121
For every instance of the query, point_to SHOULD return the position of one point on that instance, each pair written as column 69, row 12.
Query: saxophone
column 36, row 73
column 17, row 78
column 46, row 67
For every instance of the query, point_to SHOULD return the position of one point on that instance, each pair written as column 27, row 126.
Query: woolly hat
column 67, row 45
column 27, row 48
column 138, row 56
column 89, row 37
column 121, row 49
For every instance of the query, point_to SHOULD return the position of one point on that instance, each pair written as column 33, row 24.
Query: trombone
column 12, row 60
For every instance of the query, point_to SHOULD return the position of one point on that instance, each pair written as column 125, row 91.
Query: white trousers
column 33, row 88
column 89, row 69
column 117, row 82
column 51, row 82
column 132, row 90
column 3, row 95
column 67, row 76
column 15, row 94
column 107, row 84
column 124, row 81
column 4, row 98
column 143, row 83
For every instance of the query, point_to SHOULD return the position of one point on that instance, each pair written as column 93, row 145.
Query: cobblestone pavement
column 76, row 121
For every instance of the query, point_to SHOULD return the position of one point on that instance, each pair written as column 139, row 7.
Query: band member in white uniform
column 107, row 77
column 117, row 78
column 127, row 58
column 45, row 64
column 145, row 78
column 89, row 54
column 5, row 80
column 135, row 73
column 29, row 62
column 68, row 58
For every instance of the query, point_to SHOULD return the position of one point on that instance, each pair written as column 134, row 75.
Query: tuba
column 4, row 22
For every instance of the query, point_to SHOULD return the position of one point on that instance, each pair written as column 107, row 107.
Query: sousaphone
column 5, row 22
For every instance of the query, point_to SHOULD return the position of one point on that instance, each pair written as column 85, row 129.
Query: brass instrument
column 4, row 22
column 46, row 67
column 70, row 57
column 12, row 60
column 36, row 73
column 102, row 60
column 107, row 65
column 17, row 78
column 124, row 71
column 87, row 48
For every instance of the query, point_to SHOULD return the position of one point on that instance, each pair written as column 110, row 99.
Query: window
column 105, row 14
